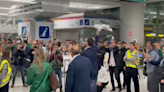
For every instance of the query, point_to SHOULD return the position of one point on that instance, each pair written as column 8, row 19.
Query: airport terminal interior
column 137, row 21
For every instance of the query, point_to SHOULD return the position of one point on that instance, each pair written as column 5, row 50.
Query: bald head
column 75, row 50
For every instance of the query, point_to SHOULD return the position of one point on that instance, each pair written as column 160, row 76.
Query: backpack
column 56, row 63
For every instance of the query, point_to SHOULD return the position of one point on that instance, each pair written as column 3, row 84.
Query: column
column 132, row 22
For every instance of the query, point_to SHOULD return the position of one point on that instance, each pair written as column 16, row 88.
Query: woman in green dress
column 38, row 75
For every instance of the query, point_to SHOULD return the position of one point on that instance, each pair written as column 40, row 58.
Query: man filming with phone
column 18, row 63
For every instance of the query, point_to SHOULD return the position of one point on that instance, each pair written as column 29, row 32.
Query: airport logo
column 24, row 32
column 44, row 32
column 87, row 22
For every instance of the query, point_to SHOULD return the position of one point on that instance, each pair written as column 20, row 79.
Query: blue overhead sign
column 87, row 22
column 24, row 31
column 44, row 32
column 81, row 22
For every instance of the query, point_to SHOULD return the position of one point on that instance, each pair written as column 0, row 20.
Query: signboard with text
column 24, row 29
column 84, row 22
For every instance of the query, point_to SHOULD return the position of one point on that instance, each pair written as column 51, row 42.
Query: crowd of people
column 86, row 72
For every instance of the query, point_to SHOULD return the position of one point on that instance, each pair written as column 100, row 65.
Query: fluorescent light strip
column 156, row 13
column 4, row 8
column 85, row 7
column 23, row 1
column 5, row 14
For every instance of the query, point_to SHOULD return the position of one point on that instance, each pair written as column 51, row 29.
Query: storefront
column 79, row 27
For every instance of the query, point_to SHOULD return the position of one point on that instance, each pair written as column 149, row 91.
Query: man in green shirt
column 159, row 48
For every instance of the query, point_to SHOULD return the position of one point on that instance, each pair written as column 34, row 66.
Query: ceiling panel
column 99, row 3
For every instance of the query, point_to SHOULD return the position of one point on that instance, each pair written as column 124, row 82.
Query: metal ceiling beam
column 103, row 2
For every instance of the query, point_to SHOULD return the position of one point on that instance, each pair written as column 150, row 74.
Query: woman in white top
column 103, row 79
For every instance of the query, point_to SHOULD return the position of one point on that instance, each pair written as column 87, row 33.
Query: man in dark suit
column 91, row 53
column 27, row 51
column 79, row 73
column 120, row 64
column 113, row 64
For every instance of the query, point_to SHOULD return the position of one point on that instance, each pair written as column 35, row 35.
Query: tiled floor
column 18, row 86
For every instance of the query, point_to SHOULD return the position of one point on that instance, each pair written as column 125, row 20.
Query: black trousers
column 5, row 88
column 123, row 71
column 100, row 88
column 115, row 70
column 162, row 87
column 132, row 73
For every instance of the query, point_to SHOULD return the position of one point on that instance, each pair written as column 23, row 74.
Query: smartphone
column 108, row 43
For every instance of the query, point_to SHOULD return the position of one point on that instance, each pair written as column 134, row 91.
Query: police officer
column 131, row 59
column 6, row 70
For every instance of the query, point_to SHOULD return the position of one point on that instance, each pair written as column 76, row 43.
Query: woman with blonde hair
column 38, row 75
column 6, row 70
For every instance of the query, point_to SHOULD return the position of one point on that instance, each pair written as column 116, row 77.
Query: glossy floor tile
column 143, row 85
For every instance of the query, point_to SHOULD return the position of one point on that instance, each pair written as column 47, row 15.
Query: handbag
column 54, row 83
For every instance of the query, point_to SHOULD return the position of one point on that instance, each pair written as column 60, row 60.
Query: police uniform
column 5, row 75
column 131, row 71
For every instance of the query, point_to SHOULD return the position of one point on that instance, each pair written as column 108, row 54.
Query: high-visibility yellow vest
column 130, row 56
column 7, row 77
column 1, row 54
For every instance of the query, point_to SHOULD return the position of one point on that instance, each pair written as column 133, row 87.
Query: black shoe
column 120, row 89
column 123, row 86
column 113, row 90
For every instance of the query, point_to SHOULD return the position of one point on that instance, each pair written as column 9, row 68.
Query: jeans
column 26, row 65
column 93, row 86
column 150, row 77
column 15, row 70
column 59, row 73
column 5, row 88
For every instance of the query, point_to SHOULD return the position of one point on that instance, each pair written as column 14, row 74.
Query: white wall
column 8, row 30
